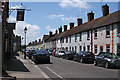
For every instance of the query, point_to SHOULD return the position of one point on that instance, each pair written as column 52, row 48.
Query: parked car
column 107, row 60
column 53, row 53
column 30, row 53
column 50, row 52
column 83, row 56
column 41, row 56
column 59, row 53
column 69, row 55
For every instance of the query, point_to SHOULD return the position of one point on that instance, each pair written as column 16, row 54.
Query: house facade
column 96, row 35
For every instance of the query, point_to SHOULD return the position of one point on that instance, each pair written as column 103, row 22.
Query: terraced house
column 96, row 35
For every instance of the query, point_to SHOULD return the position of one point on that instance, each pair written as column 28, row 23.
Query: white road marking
column 55, row 73
column 44, row 74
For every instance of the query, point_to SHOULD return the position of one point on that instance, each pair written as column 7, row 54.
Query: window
column 84, row 49
column 70, row 48
column 107, row 48
column 118, row 30
column 108, row 32
column 95, row 33
column 70, row 39
column 88, row 48
column 95, row 49
column 80, row 37
column 75, row 49
column 62, row 40
column 80, row 48
column 66, row 48
column 88, row 35
column 66, row 39
column 101, row 48
column 75, row 37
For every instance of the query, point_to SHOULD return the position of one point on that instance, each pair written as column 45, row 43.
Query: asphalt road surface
column 67, row 69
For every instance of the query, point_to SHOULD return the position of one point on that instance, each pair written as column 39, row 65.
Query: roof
column 35, row 43
column 96, row 23
column 45, row 37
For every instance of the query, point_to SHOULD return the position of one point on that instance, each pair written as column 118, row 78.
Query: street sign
column 20, row 15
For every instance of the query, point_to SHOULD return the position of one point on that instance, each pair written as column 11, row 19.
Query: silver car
column 59, row 53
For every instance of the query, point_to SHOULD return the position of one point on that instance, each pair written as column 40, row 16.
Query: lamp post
column 25, row 30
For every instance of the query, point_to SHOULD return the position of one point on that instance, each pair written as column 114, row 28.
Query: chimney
column 65, row 27
column 79, row 21
column 56, row 32
column 60, row 29
column 35, row 41
column 71, row 25
column 105, row 9
column 50, row 33
column 90, row 16
column 39, row 40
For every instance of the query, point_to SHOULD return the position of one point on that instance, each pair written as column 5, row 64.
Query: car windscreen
column 70, row 52
column 112, row 55
column 51, row 50
column 42, row 52
column 61, row 51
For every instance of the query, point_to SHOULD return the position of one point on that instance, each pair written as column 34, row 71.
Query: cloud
column 74, row 3
column 62, row 17
column 55, row 16
column 50, row 29
column 16, row 7
column 33, row 31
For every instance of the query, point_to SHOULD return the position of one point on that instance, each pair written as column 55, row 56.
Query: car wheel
column 95, row 63
column 107, row 65
column 81, row 60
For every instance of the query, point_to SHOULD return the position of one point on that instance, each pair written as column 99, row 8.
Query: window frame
column 95, row 34
column 75, row 37
column 88, row 35
column 80, row 39
column 95, row 49
column 107, row 32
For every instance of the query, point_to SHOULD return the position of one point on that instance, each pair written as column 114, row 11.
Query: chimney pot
column 71, row 25
column 50, row 33
column 65, row 27
column 39, row 40
column 79, row 21
column 105, row 9
column 60, row 29
column 56, row 31
column 90, row 16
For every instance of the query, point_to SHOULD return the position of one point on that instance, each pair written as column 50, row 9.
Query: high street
column 61, row 68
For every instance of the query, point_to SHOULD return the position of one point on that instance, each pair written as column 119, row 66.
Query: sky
column 49, row 16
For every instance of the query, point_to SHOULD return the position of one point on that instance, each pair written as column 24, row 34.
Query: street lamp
column 25, row 30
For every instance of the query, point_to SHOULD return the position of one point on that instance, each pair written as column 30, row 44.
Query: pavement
column 23, row 69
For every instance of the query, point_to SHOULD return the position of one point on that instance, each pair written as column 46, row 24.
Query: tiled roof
column 45, row 37
column 96, row 23
column 35, row 43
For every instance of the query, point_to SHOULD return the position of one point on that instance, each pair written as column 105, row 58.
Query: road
column 68, row 69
